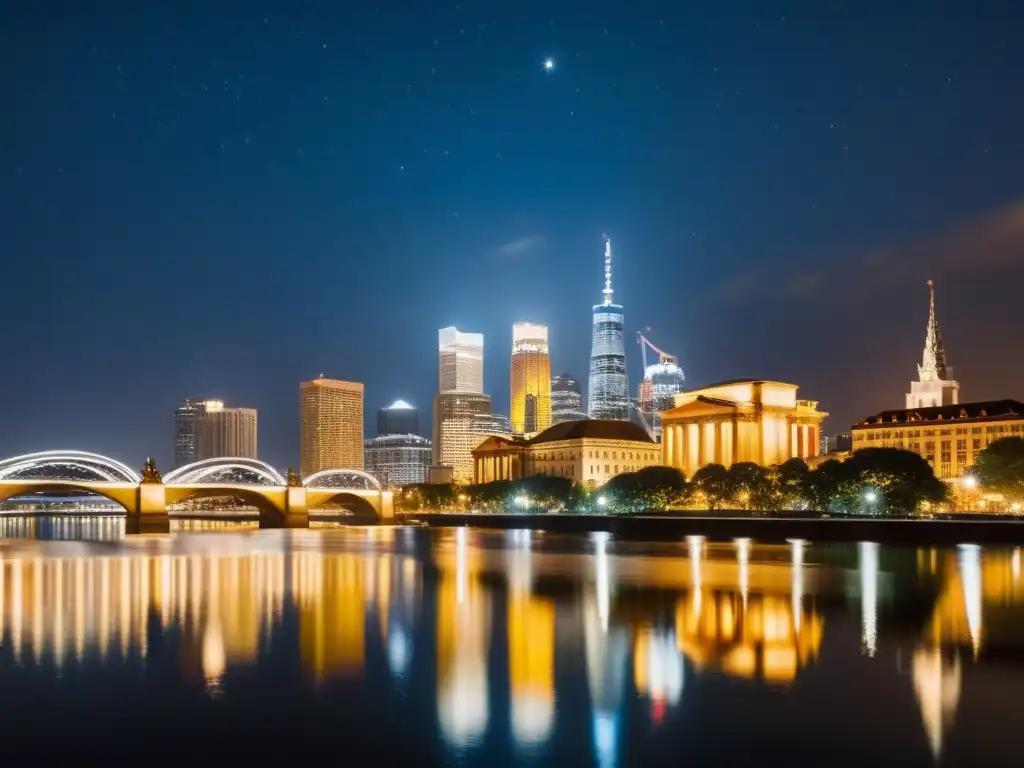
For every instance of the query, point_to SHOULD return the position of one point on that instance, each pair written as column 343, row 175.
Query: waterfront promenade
column 965, row 529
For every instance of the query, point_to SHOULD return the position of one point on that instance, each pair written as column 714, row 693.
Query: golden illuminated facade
column 531, row 379
column 456, row 419
column 949, row 437
column 587, row 452
column 226, row 432
column 330, row 425
column 737, row 421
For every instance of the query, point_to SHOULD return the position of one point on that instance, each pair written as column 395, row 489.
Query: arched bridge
column 279, row 498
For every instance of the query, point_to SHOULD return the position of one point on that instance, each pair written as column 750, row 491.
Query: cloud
column 984, row 243
column 521, row 246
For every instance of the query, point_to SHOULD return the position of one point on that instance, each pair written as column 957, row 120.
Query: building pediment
column 701, row 406
column 495, row 443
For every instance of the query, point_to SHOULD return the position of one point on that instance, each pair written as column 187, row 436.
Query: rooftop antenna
column 607, row 270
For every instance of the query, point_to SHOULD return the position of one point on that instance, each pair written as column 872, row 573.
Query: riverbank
column 767, row 529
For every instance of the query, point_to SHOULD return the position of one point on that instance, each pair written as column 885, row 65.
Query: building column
column 668, row 456
column 815, row 441
column 681, row 442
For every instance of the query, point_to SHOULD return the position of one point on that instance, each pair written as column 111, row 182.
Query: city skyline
column 776, row 196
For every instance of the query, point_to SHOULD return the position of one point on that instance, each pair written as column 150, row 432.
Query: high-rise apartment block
column 566, row 399
column 461, row 361
column 531, row 379
column 226, row 432
column 398, row 460
column 330, row 425
column 608, row 389
column 186, row 418
column 456, row 415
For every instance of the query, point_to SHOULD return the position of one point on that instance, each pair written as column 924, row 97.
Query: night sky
column 224, row 199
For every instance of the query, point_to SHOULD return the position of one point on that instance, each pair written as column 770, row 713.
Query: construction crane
column 663, row 357
column 662, row 381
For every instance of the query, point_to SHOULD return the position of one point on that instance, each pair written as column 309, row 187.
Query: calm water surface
column 405, row 645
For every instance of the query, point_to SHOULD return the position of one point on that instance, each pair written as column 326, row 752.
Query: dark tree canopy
column 713, row 481
column 1000, row 467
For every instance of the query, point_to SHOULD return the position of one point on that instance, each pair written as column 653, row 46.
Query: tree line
column 871, row 481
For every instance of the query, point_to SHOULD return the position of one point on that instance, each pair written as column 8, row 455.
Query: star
column 549, row 64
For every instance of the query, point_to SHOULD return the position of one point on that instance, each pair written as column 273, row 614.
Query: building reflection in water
column 867, row 554
column 760, row 631
column 63, row 527
column 737, row 609
column 463, row 638
column 531, row 649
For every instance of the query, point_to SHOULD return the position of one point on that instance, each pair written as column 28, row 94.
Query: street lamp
column 522, row 501
column 602, row 501
column 970, row 481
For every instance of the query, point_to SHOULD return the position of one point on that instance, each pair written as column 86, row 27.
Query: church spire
column 933, row 360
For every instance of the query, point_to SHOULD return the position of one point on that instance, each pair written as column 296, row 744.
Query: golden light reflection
column 463, row 637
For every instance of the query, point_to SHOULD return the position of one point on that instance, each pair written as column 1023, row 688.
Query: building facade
column 742, row 420
column 226, row 432
column 460, row 361
column 657, row 393
column 398, row 459
column 588, row 452
column 399, row 418
column 492, row 424
column 935, row 386
column 608, row 388
column 330, row 425
column 566, row 399
column 530, row 407
column 186, row 421
column 948, row 437
column 456, row 415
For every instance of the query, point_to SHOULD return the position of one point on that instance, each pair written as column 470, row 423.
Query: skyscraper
column 399, row 418
column 531, row 379
column 455, row 436
column 398, row 459
column 461, row 361
column 608, row 390
column 330, row 425
column 226, row 432
column 935, row 385
column 186, row 417
column 566, row 399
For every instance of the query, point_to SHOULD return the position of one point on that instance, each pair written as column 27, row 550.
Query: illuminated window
column 606, row 469
column 976, row 444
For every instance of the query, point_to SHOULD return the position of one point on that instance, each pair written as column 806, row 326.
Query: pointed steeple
column 933, row 361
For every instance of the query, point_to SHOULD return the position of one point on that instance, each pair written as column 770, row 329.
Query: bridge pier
column 150, row 513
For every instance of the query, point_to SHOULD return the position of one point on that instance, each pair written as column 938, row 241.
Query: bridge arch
column 39, row 466
column 212, row 470
column 342, row 479
column 350, row 503
column 123, row 496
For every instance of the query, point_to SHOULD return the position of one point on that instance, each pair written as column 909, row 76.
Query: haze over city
column 225, row 204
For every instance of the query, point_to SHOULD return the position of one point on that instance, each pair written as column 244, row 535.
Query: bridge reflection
column 640, row 625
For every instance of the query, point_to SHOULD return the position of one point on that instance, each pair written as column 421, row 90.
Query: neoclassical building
column 591, row 451
column 741, row 420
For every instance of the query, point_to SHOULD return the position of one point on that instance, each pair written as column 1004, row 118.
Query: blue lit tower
column 608, row 395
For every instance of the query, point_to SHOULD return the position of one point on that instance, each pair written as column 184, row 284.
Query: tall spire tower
column 608, row 390
column 935, row 385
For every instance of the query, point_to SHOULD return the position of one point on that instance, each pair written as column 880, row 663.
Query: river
column 391, row 645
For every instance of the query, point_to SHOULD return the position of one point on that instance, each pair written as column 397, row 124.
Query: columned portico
column 747, row 420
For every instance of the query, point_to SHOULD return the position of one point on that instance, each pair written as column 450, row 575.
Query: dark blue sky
column 223, row 199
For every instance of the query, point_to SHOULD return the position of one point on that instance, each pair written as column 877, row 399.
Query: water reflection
column 503, row 639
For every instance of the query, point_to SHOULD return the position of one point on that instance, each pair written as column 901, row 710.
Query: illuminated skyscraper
column 460, row 361
column 330, row 425
column 531, row 379
column 224, row 431
column 456, row 415
column 186, row 417
column 566, row 399
column 608, row 390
